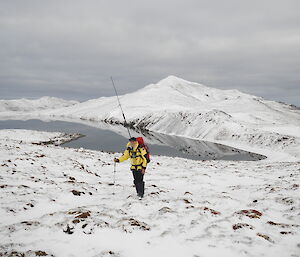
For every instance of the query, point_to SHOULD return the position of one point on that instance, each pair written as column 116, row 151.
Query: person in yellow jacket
column 137, row 154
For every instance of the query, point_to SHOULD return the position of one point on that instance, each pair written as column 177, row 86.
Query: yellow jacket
column 136, row 155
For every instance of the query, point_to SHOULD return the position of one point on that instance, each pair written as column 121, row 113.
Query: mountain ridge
column 178, row 107
column 25, row 105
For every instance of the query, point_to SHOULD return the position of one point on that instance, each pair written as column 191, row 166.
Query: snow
column 19, row 106
column 57, row 201
column 175, row 106
column 197, row 207
column 35, row 137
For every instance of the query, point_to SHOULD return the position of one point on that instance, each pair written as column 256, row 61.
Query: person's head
column 133, row 142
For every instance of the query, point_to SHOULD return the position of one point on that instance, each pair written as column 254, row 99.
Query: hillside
column 178, row 107
column 59, row 201
column 32, row 105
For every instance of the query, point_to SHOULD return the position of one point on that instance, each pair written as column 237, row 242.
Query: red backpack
column 142, row 144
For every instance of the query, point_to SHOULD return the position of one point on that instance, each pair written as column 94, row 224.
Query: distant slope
column 28, row 105
column 179, row 107
column 175, row 95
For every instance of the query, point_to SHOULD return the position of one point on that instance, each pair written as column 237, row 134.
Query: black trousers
column 138, row 182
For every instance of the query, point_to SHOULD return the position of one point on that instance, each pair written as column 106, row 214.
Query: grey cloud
column 70, row 48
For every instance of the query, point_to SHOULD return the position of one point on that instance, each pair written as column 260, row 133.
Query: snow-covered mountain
column 175, row 95
column 60, row 201
column 29, row 105
column 179, row 107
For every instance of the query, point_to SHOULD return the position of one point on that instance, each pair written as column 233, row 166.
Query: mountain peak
column 171, row 80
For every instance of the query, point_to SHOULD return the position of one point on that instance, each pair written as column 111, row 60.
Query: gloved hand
column 143, row 170
column 116, row 160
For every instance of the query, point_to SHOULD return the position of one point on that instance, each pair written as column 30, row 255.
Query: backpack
column 142, row 144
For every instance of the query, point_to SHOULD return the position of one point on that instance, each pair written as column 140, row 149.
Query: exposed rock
column 214, row 212
column 83, row 215
column 77, row 193
column 241, row 225
column 68, row 230
column 266, row 237
column 253, row 214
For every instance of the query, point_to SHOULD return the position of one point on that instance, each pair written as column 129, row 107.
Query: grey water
column 110, row 141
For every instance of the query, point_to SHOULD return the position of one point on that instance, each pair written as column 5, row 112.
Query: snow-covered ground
column 57, row 201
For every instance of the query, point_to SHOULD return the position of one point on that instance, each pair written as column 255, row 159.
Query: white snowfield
column 57, row 201
column 178, row 107
column 35, row 137
column 20, row 106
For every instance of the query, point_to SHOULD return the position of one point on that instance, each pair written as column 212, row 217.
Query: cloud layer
column 71, row 48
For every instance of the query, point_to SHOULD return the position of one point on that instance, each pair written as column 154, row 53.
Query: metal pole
column 125, row 122
column 114, row 184
column 114, row 172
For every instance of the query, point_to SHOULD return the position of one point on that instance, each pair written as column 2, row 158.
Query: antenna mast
column 125, row 122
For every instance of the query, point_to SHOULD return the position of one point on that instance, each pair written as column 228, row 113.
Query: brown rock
column 253, row 214
column 83, row 215
column 75, row 192
column 241, row 225
column 40, row 253
column 211, row 211
column 266, row 237
column 187, row 201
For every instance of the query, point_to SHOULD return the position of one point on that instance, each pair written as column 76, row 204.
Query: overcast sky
column 70, row 48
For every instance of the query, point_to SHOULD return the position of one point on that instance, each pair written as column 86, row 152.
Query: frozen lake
column 112, row 140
